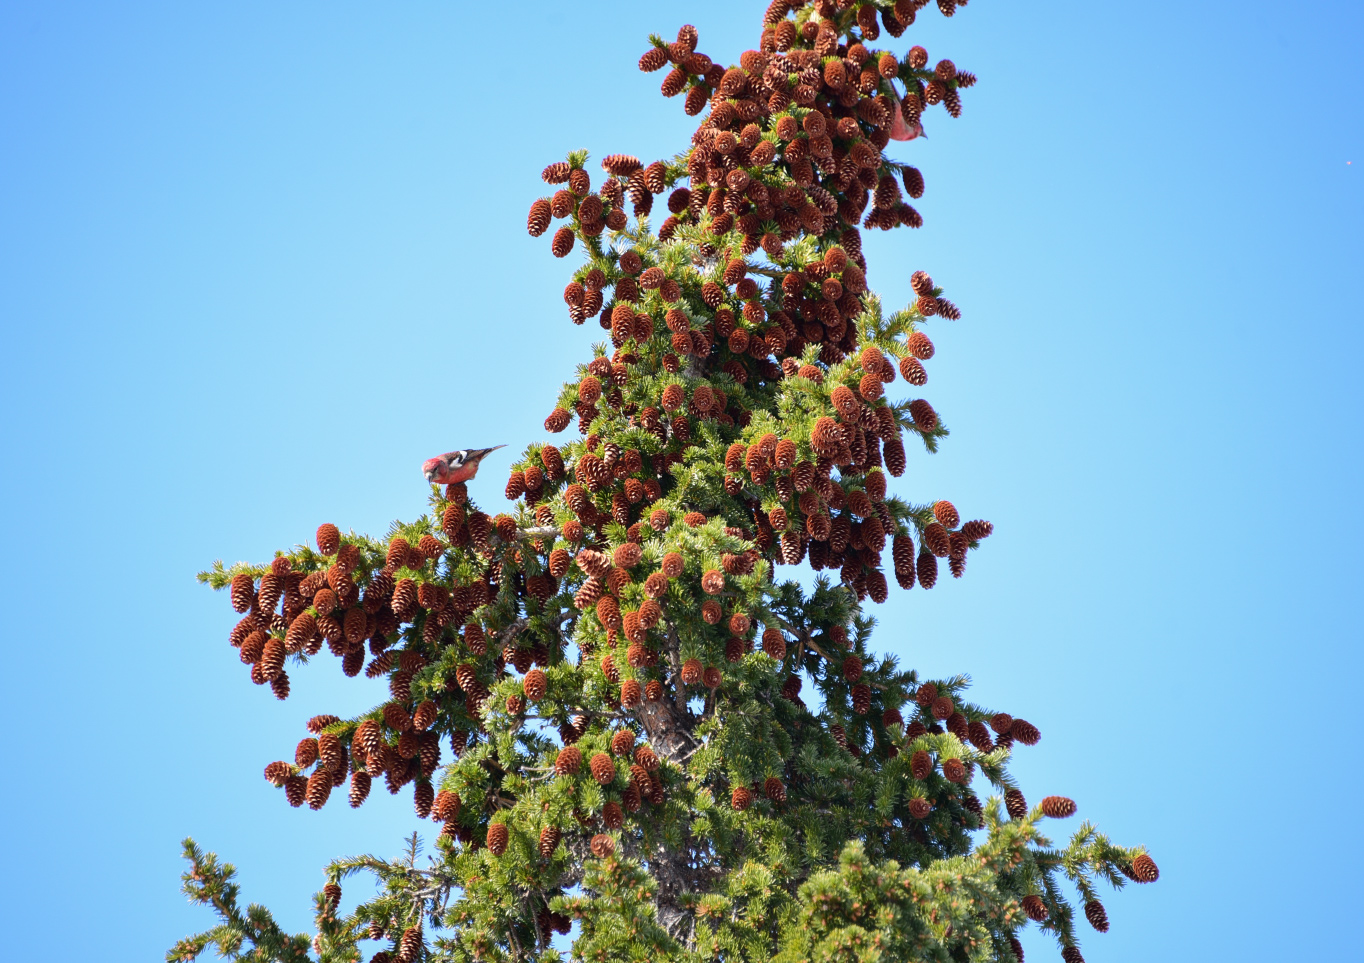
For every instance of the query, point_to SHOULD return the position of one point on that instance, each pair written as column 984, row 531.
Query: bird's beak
column 431, row 476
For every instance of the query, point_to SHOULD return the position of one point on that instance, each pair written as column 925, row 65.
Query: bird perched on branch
column 455, row 466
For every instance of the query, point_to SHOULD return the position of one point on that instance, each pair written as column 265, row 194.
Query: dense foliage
column 597, row 692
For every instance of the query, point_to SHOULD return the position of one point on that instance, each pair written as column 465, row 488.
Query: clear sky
column 259, row 260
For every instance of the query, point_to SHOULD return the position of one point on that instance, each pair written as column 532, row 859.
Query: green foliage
column 615, row 662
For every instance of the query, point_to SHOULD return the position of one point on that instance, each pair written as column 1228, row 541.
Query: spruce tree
column 628, row 726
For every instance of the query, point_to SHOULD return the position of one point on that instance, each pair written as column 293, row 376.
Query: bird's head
column 455, row 466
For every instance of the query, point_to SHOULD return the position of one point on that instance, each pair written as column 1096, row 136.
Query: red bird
column 455, row 466
column 899, row 130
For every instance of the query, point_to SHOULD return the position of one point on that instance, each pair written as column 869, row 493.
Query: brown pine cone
column 861, row 699
column 741, row 798
column 243, row 592
column 943, row 707
column 497, row 838
column 979, row 736
column 319, row 788
column 330, row 753
column 549, row 841
column 603, row 769
column 1017, row 948
column 946, row 512
column 623, row 742
column 977, row 530
column 774, row 644
column 296, row 790
column 535, row 685
column 920, row 764
column 446, row 806
column 631, row 694
column 937, row 540
column 537, row 221
column 1058, row 807
column 558, row 420
column 1025, row 732
column 562, row 243
column 602, row 846
column 569, row 761
column 410, row 946
column 1035, row 908
column 328, row 539
column 1097, row 915
column 1144, row 869
column 1015, row 804
column 1071, row 954
column 919, row 808
column 954, row 770
column 423, row 796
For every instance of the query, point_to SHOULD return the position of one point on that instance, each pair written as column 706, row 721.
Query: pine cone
column 937, row 540
column 1015, row 804
column 1144, row 869
column 497, row 838
column 977, row 530
column 534, row 684
column 602, row 846
column 410, row 946
column 319, row 788
column 423, row 796
column 328, row 539
column 1097, row 915
column 920, row 765
column 1058, row 807
column 741, row 798
column 946, row 512
column 623, row 742
column 1035, row 908
column 861, row 699
column 549, row 841
column 920, row 808
column 1025, row 732
column 603, row 769
column 1071, row 954
column 446, row 806
column 569, row 761
column 979, row 736
column 296, row 790
column 774, row 644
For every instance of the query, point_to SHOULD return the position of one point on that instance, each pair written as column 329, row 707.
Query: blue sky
column 258, row 261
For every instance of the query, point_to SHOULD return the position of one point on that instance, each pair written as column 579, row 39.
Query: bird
column 900, row 130
column 455, row 466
